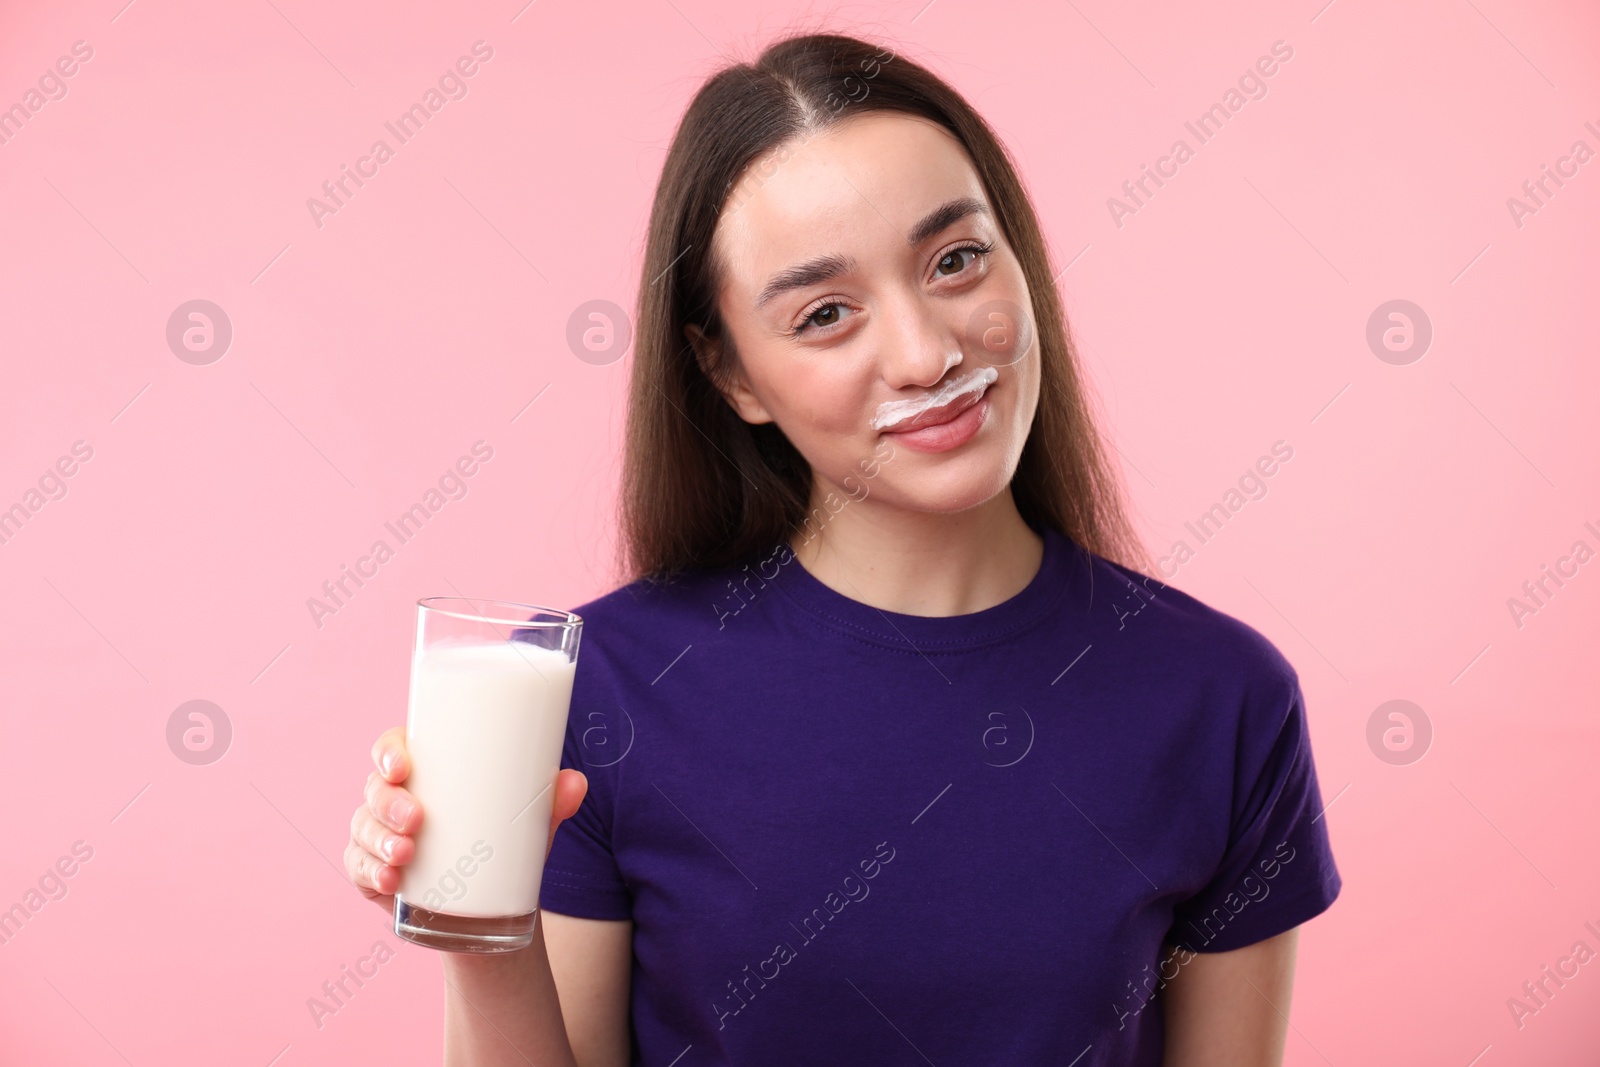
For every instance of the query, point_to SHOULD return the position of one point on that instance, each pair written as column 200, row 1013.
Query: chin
column 953, row 485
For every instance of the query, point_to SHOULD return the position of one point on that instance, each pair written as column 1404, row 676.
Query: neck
column 922, row 563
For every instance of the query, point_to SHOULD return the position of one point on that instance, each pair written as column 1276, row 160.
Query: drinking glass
column 491, row 685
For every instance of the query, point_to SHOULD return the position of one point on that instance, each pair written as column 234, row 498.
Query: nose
column 917, row 346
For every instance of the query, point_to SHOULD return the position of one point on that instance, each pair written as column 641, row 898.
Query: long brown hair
column 700, row 486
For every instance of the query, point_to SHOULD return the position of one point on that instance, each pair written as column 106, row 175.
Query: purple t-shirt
column 847, row 835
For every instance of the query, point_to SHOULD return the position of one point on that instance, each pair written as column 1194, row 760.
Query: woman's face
column 864, row 307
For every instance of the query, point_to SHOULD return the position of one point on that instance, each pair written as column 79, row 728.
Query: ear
column 737, row 392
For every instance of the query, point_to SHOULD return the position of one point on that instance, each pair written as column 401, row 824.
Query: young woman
column 889, row 751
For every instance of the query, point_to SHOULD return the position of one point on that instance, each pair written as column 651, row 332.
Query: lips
column 942, row 413
column 905, row 416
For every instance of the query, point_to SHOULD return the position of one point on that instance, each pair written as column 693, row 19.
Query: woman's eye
column 953, row 258
column 823, row 317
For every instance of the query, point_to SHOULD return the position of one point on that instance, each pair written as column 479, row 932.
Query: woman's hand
column 382, row 828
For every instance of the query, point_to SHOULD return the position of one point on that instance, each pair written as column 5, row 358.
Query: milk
column 485, row 730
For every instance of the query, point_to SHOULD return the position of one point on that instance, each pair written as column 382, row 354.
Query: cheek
column 1022, row 394
column 999, row 332
column 824, row 412
column 817, row 403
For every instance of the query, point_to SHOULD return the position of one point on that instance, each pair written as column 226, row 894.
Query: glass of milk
column 491, row 683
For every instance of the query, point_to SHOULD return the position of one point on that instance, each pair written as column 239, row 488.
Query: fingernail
column 386, row 846
column 388, row 764
column 401, row 811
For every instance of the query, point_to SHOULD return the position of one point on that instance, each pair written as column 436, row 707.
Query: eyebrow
column 823, row 268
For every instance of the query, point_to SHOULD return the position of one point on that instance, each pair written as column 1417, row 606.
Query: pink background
column 368, row 354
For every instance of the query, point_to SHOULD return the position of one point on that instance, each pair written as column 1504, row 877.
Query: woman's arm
column 502, row 1009
column 1231, row 1009
column 565, row 1002
column 592, row 960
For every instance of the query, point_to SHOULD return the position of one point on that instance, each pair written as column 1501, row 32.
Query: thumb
column 571, row 787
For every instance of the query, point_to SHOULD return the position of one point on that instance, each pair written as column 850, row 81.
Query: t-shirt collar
column 1033, row 603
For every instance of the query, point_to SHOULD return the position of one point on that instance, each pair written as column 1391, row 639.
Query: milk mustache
column 485, row 730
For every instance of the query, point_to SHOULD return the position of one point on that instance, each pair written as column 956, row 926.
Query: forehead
column 854, row 189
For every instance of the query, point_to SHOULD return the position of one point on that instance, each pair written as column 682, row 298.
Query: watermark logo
column 1252, row 485
column 605, row 739
column 852, row 888
column 1537, row 192
column 332, row 1002
column 199, row 332
column 1539, row 591
column 1254, row 887
column 812, row 526
column 451, row 485
column 599, row 332
column 1003, row 745
column 1001, row 330
column 52, row 86
column 199, row 732
column 853, row 88
column 50, row 486
column 1538, row 992
column 452, row 85
column 1138, row 192
column 51, row 885
column 756, row 174
column 1399, row 332
column 1399, row 732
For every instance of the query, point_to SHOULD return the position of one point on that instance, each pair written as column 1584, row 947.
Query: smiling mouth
column 942, row 405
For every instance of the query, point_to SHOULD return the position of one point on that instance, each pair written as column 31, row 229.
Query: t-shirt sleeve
column 582, row 877
column 1278, row 869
